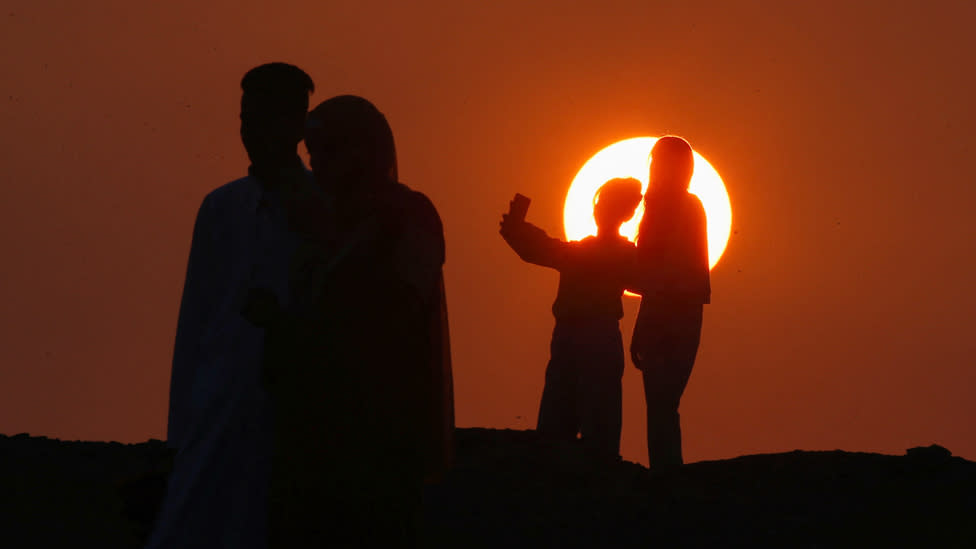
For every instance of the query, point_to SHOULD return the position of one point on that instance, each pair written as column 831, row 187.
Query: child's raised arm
column 532, row 244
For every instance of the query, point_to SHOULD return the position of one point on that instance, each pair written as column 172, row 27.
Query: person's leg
column 665, row 379
column 663, row 420
column 558, row 416
column 600, row 393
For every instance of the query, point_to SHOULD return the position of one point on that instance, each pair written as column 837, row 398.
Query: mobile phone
column 519, row 207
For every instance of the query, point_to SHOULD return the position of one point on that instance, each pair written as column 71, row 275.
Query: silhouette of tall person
column 672, row 245
column 219, row 416
column 582, row 393
column 360, row 369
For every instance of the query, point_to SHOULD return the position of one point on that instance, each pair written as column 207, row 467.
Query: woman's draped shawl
column 440, row 435
column 364, row 364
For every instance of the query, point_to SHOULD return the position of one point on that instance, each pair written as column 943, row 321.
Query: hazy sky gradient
column 842, row 314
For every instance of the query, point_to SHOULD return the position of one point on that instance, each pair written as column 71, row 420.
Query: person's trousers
column 666, row 370
column 582, row 392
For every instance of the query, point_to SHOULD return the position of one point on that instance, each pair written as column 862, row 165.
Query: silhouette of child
column 582, row 391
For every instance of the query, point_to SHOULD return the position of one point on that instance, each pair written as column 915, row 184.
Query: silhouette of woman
column 358, row 370
column 672, row 246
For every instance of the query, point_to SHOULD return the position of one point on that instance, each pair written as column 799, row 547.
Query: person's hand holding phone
column 518, row 207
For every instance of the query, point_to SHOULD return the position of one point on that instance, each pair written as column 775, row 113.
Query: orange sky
column 842, row 315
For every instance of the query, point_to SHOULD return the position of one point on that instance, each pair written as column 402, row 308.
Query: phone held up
column 518, row 207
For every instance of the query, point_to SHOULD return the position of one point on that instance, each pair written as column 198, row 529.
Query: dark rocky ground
column 507, row 490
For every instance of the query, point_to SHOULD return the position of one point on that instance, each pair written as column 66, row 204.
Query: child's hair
column 617, row 200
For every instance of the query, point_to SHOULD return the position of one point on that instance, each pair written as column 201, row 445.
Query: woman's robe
column 359, row 370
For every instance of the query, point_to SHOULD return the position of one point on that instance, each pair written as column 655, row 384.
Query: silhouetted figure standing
column 672, row 244
column 219, row 415
column 582, row 393
column 358, row 366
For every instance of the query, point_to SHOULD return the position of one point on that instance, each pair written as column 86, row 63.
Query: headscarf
column 351, row 122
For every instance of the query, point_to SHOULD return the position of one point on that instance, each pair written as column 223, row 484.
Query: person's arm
column 439, row 446
column 533, row 245
column 192, row 319
column 641, row 328
column 704, row 262
column 633, row 270
column 419, row 250
column 413, row 321
column 696, row 284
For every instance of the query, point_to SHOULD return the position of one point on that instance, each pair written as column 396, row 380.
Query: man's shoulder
column 233, row 189
column 236, row 196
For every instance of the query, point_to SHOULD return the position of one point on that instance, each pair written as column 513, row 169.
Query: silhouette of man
column 582, row 392
column 360, row 371
column 672, row 244
column 219, row 416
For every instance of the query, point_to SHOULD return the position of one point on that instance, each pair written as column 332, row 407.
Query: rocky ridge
column 510, row 490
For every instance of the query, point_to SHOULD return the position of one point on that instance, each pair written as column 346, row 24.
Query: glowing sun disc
column 631, row 158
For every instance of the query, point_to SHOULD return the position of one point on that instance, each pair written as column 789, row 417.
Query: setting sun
column 630, row 158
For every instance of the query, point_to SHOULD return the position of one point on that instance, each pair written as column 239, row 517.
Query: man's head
column 274, row 104
column 615, row 203
column 350, row 145
column 672, row 164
